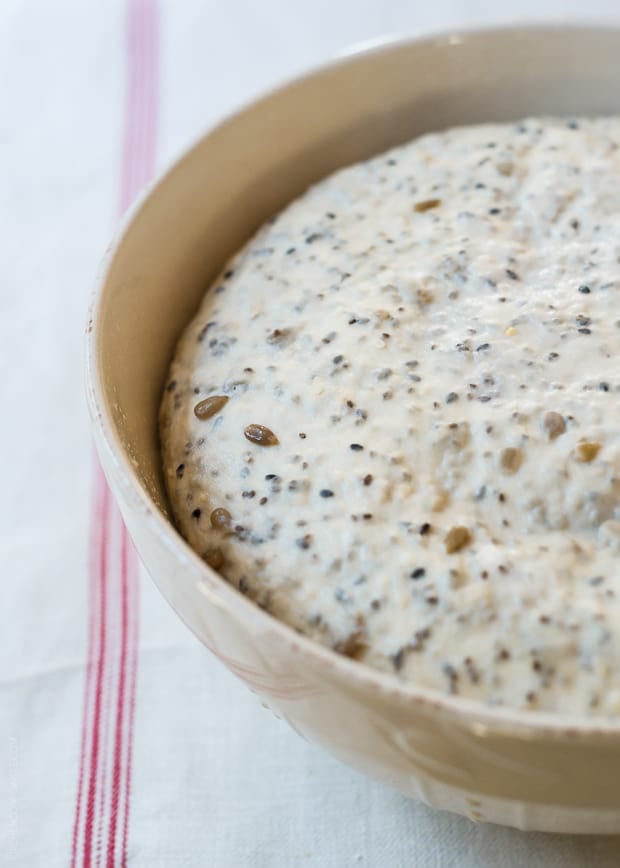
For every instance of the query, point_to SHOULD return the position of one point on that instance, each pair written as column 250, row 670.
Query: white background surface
column 218, row 781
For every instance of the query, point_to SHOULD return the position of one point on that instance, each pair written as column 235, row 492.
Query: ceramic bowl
column 526, row 769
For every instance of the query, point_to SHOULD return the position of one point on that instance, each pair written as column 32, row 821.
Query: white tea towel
column 122, row 741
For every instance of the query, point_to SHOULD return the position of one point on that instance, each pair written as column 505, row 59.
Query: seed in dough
column 511, row 459
column 456, row 539
column 554, row 424
column 588, row 451
column 221, row 519
column 353, row 646
column 214, row 557
column 426, row 205
column 260, row 435
column 210, row 406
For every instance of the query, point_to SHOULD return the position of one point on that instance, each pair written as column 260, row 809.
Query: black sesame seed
column 368, row 479
column 584, row 331
column 337, row 359
column 512, row 274
column 425, row 528
column 482, row 347
column 302, row 436
column 356, row 447
column 604, row 387
column 326, row 492
column 585, row 289
column 495, row 211
column 451, row 397
column 418, row 573
column 313, row 237
column 398, row 659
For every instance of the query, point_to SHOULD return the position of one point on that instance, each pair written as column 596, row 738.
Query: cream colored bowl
column 530, row 770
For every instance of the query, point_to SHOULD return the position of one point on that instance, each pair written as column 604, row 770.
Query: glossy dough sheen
column 432, row 338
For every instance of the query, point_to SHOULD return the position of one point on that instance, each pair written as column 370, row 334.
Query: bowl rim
column 476, row 714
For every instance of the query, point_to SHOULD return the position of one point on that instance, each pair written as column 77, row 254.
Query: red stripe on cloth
column 110, row 677
column 101, row 514
column 105, row 771
column 113, row 674
column 96, row 545
column 134, row 588
column 120, row 712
